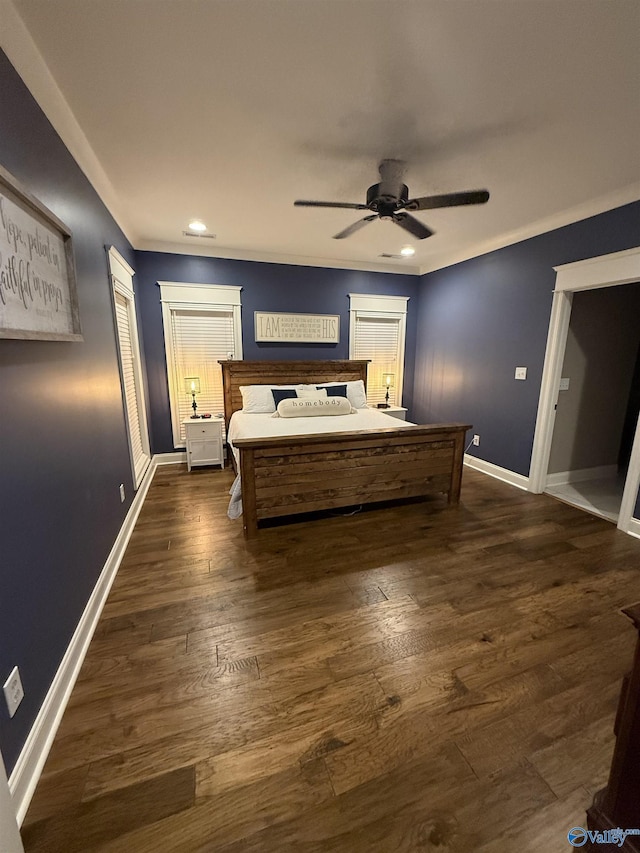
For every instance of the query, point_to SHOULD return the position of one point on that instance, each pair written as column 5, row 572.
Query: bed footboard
column 290, row 475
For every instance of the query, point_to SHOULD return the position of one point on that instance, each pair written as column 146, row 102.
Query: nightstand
column 396, row 412
column 204, row 442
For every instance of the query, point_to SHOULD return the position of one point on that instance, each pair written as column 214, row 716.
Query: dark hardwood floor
column 412, row 678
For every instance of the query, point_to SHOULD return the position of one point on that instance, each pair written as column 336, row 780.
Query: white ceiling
column 229, row 110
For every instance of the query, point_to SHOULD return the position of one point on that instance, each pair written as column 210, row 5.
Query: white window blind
column 139, row 457
column 200, row 338
column 130, row 368
column 377, row 331
column 202, row 325
column 378, row 339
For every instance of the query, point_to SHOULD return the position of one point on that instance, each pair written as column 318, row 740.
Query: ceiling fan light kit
column 389, row 200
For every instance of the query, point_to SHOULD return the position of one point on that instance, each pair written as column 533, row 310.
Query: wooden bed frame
column 296, row 474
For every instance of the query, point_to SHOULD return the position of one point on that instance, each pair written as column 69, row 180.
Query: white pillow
column 355, row 392
column 306, row 407
column 312, row 393
column 258, row 399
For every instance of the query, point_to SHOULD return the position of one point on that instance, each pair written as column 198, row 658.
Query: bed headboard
column 237, row 373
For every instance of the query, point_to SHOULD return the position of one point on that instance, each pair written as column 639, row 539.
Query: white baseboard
column 518, row 480
column 170, row 458
column 634, row 527
column 561, row 478
column 26, row 773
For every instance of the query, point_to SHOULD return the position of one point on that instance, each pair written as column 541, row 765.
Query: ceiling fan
column 390, row 200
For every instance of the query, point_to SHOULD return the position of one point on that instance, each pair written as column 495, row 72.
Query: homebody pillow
column 307, row 407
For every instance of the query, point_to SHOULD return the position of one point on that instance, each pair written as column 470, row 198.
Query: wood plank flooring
column 408, row 678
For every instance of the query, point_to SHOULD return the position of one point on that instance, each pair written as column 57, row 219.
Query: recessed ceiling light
column 407, row 251
column 197, row 225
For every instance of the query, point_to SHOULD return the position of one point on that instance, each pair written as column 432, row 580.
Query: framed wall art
column 38, row 296
column 297, row 328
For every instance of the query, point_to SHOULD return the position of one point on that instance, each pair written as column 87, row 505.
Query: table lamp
column 192, row 386
column 389, row 380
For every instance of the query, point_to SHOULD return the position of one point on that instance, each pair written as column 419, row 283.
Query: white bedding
column 243, row 425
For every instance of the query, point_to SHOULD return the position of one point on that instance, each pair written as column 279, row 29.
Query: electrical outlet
column 521, row 372
column 476, row 440
column 122, row 493
column 13, row 691
column 564, row 384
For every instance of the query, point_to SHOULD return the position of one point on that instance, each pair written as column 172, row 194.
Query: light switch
column 564, row 384
column 521, row 372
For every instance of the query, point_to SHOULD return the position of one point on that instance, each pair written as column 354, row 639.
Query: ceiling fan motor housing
column 387, row 196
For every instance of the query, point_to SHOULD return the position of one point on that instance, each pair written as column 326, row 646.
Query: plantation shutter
column 200, row 338
column 126, row 332
column 378, row 339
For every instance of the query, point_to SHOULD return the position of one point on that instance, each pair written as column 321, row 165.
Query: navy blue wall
column 479, row 320
column 62, row 431
column 265, row 287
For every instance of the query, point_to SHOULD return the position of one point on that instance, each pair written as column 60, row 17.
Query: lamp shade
column 389, row 380
column 192, row 384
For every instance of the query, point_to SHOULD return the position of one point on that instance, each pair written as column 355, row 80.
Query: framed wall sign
column 38, row 297
column 297, row 328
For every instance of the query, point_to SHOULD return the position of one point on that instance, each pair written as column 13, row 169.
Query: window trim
column 121, row 275
column 186, row 296
column 383, row 307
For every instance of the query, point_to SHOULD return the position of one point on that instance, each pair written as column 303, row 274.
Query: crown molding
column 593, row 207
column 271, row 257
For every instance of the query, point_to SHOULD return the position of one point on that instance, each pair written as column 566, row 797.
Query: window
column 377, row 332
column 201, row 327
column 130, row 366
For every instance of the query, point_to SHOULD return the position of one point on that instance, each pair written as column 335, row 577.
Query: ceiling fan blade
column 355, row 227
column 330, row 204
column 412, row 225
column 431, row 202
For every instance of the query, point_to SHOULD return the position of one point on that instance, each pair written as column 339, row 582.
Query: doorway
column 598, row 401
column 607, row 271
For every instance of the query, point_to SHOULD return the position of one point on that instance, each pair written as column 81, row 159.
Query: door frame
column 9, row 832
column 602, row 271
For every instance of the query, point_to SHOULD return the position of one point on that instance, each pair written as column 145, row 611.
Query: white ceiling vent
column 199, row 236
